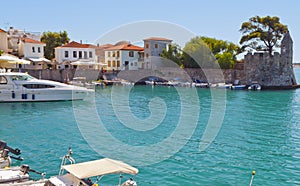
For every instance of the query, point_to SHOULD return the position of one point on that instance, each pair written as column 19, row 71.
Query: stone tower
column 274, row 71
column 286, row 62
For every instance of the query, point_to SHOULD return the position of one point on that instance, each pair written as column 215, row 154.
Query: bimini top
column 99, row 167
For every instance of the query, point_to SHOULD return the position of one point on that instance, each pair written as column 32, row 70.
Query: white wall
column 38, row 50
column 60, row 54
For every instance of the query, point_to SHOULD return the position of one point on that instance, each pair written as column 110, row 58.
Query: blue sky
column 90, row 19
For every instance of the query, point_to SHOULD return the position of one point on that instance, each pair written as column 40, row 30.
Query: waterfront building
column 153, row 47
column 100, row 52
column 77, row 55
column 15, row 35
column 123, row 56
column 33, row 50
column 3, row 41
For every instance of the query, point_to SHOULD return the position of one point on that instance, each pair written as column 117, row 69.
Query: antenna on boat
column 252, row 178
column 64, row 160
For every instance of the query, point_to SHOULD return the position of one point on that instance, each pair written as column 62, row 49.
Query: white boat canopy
column 99, row 167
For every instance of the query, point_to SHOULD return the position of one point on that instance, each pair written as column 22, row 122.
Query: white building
column 153, row 47
column 77, row 54
column 123, row 57
column 33, row 50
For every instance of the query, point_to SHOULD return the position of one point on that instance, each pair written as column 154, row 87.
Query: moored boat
column 238, row 87
column 5, row 157
column 254, row 86
column 21, row 87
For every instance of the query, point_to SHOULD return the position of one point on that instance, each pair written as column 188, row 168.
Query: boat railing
column 67, row 157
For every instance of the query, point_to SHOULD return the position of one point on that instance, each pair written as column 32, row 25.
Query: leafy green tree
column 225, row 52
column 197, row 54
column 52, row 40
column 1, row 52
column 173, row 53
column 210, row 51
column 262, row 33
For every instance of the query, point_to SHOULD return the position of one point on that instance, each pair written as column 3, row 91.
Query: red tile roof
column 105, row 46
column 126, row 47
column 3, row 31
column 74, row 44
column 28, row 40
column 157, row 39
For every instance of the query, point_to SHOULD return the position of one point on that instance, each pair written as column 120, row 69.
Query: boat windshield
column 22, row 77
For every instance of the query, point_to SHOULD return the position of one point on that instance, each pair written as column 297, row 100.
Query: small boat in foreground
column 5, row 158
column 80, row 173
column 21, row 87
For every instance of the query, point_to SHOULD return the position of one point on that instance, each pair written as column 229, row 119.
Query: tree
column 1, row 52
column 197, row 54
column 210, row 51
column 173, row 53
column 225, row 52
column 262, row 33
column 52, row 40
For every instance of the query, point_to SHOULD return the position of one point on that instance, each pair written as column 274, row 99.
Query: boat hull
column 42, row 95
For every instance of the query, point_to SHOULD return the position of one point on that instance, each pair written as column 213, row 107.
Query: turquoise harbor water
column 260, row 131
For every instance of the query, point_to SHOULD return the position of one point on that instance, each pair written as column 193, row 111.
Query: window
column 80, row 54
column 147, row 45
column 3, row 80
column 66, row 54
column 135, row 63
column 118, row 53
column 131, row 64
column 118, row 63
column 37, row 86
column 114, row 63
column 85, row 54
column 90, row 54
column 108, row 54
column 74, row 54
column 113, row 54
column 39, row 49
column 131, row 54
column 147, row 55
column 108, row 63
column 156, row 45
column 33, row 49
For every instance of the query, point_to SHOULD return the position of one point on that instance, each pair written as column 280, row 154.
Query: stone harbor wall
column 271, row 71
column 185, row 75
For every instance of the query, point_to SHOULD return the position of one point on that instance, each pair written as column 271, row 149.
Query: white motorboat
column 238, row 87
column 19, row 176
column 254, row 86
column 224, row 85
column 80, row 173
column 21, row 87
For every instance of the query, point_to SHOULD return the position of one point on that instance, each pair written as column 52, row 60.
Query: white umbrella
column 12, row 59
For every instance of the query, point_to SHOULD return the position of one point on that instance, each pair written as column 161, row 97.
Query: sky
column 90, row 20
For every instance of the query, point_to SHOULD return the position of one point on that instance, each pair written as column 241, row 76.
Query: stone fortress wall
column 271, row 71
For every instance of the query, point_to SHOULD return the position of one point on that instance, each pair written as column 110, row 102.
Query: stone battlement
column 271, row 70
